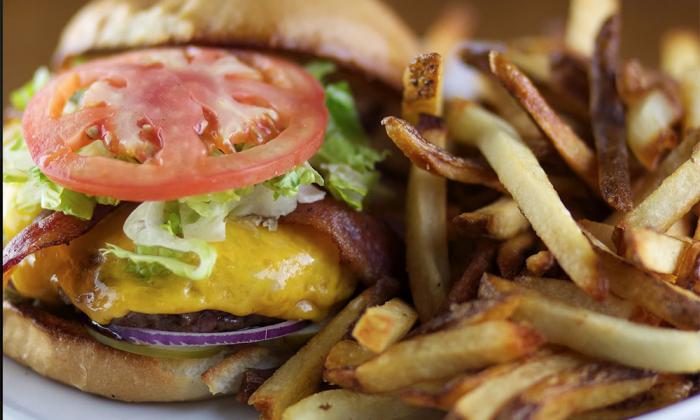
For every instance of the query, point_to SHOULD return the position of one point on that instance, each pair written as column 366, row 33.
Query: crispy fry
column 670, row 303
column 422, row 87
column 525, row 179
column 650, row 128
column 572, row 149
column 675, row 158
column 608, row 118
column 652, row 251
column 467, row 286
column 472, row 312
column 653, row 108
column 445, row 393
column 337, row 404
column 426, row 194
column 501, row 220
column 584, row 21
column 609, row 338
column 439, row 355
column 569, row 293
column 483, row 402
column 511, row 254
column 664, row 393
column 588, row 387
column 347, row 353
column 539, row 263
column 381, row 326
column 671, row 200
column 436, row 160
column 305, row 368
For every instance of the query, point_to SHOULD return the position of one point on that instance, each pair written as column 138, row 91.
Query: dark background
column 31, row 27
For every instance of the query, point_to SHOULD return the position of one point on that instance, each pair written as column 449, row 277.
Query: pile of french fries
column 578, row 295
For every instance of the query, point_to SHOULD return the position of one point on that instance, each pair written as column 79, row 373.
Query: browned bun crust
column 62, row 350
column 364, row 34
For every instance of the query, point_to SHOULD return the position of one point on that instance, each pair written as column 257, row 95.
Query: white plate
column 28, row 396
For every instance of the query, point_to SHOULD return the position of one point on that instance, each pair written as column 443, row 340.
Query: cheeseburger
column 194, row 180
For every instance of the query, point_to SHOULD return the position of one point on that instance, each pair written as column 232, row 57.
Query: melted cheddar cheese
column 291, row 273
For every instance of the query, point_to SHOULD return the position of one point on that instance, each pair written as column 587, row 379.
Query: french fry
column 652, row 251
column 653, row 108
column 597, row 335
column 569, row 83
column 650, row 131
column 340, row 404
column 539, row 263
column 675, row 158
column 305, row 368
column 681, row 228
column 426, row 194
column 608, row 118
column 439, row 355
column 483, row 402
column 664, row 393
column 500, row 220
column 527, row 182
column 381, row 326
column 680, row 57
column 584, row 22
column 662, row 299
column 511, row 254
column 671, row 200
column 569, row 293
column 588, row 387
column 467, row 313
column 467, row 286
column 436, row 160
column 444, row 394
column 574, row 151
column 347, row 353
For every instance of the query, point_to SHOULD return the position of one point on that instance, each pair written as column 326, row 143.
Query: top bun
column 364, row 34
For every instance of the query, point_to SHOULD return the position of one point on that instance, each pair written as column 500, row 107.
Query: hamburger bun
column 61, row 349
column 363, row 34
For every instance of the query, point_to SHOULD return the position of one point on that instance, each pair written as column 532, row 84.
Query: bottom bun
column 62, row 350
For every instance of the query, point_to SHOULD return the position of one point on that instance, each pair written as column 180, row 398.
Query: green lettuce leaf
column 346, row 160
column 20, row 97
column 35, row 188
column 287, row 185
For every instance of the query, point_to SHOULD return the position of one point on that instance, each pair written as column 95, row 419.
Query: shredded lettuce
column 16, row 160
column 166, row 233
column 157, row 243
column 288, row 185
column 346, row 159
column 20, row 97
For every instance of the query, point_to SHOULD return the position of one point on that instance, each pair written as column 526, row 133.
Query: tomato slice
column 180, row 121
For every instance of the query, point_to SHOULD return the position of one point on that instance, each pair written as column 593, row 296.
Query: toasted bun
column 364, row 34
column 62, row 350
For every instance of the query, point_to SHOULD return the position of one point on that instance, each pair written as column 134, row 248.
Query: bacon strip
column 50, row 230
column 369, row 248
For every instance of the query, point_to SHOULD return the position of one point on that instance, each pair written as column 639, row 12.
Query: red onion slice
column 172, row 338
